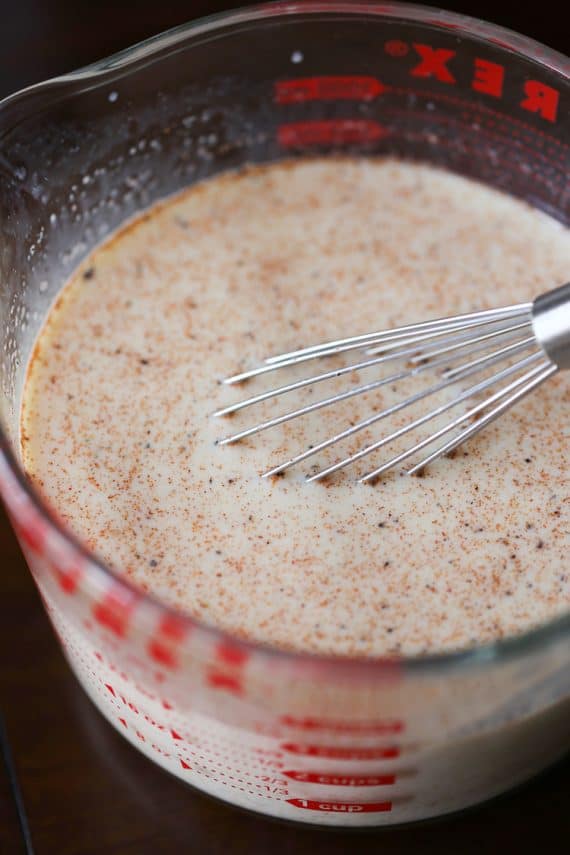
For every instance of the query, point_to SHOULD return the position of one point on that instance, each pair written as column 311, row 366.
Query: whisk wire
column 459, row 341
column 499, row 335
column 449, row 323
column 492, row 358
column 477, row 344
column 468, row 393
column 525, row 382
column 385, row 346
column 548, row 371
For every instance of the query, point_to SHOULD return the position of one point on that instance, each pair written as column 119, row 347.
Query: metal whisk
column 532, row 339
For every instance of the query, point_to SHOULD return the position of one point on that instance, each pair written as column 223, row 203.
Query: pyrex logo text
column 488, row 77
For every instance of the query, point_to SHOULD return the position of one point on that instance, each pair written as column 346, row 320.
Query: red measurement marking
column 349, row 88
column 395, row 47
column 219, row 680
column 395, row 726
column 172, row 627
column 68, row 579
column 231, row 655
column 130, row 704
column 340, row 779
column 342, row 807
column 161, row 653
column 341, row 752
column 184, row 765
column 330, row 132
column 115, row 609
column 123, row 722
column 33, row 534
column 507, row 120
column 175, row 735
column 171, row 631
column 110, row 689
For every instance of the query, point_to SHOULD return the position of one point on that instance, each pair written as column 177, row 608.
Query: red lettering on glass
column 541, row 99
column 488, row 78
column 433, row 63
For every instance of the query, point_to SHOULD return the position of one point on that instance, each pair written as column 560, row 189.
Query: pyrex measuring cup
column 314, row 739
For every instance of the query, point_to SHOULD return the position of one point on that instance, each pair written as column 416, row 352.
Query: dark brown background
column 69, row 784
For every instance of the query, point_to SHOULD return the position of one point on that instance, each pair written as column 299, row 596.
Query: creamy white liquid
column 118, row 435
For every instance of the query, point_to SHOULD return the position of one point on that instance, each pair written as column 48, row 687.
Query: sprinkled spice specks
column 118, row 434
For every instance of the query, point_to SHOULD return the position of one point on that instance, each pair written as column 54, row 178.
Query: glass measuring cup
column 321, row 740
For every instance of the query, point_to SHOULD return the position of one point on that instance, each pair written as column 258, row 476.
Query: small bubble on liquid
column 297, row 57
column 113, row 96
column 43, row 286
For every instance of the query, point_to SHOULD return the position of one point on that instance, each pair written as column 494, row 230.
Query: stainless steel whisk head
column 532, row 339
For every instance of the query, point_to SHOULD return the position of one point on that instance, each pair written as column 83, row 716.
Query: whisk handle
column 551, row 324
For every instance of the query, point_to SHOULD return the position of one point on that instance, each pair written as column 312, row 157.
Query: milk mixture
column 118, row 433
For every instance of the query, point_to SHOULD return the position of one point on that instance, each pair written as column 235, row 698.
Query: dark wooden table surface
column 68, row 783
